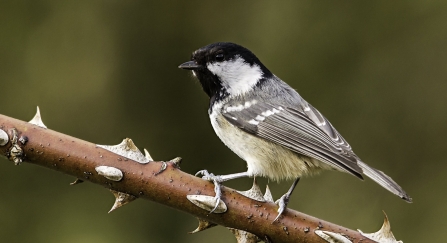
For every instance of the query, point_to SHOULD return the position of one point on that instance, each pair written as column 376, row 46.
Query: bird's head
column 225, row 68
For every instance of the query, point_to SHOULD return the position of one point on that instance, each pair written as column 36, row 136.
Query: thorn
column 163, row 167
column 268, row 194
column 176, row 162
column 110, row 173
column 254, row 193
column 203, row 225
column 128, row 149
column 332, row 237
column 147, row 155
column 207, row 203
column 77, row 181
column 384, row 234
column 121, row 199
column 4, row 138
column 244, row 236
column 37, row 119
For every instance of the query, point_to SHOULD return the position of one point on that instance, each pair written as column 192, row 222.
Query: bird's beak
column 191, row 65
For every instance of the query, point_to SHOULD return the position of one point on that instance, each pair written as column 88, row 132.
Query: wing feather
column 305, row 132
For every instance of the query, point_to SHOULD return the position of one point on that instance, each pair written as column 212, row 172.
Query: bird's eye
column 220, row 57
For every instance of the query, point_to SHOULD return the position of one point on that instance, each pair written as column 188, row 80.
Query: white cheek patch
column 237, row 76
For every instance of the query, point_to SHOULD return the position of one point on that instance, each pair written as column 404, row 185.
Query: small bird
column 269, row 125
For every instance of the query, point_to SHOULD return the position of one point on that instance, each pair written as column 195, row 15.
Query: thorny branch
column 161, row 182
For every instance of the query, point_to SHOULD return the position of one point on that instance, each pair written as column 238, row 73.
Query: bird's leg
column 284, row 200
column 217, row 180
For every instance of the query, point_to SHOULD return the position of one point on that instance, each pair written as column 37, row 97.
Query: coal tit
column 268, row 124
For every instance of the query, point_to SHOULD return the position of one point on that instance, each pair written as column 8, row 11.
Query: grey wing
column 303, row 130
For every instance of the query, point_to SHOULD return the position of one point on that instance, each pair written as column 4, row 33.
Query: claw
column 284, row 200
column 203, row 173
column 209, row 176
column 218, row 192
column 282, row 203
column 200, row 172
column 216, row 180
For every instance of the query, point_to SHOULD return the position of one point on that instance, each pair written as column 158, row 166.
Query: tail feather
column 384, row 180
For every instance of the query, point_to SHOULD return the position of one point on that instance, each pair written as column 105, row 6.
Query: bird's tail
column 384, row 180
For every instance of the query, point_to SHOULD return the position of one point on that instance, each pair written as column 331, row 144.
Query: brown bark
column 79, row 158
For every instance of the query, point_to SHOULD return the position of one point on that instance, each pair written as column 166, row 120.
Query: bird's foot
column 282, row 204
column 284, row 200
column 217, row 180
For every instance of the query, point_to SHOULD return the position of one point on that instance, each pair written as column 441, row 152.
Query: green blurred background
column 105, row 70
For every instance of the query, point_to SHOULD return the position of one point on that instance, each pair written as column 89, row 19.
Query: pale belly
column 264, row 158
